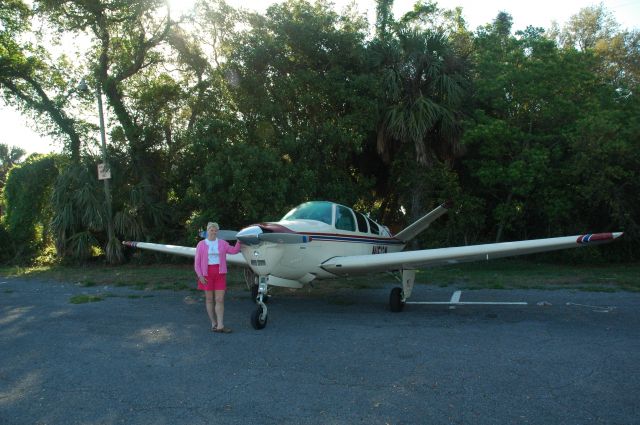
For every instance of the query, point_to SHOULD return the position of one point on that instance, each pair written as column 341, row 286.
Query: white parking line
column 455, row 300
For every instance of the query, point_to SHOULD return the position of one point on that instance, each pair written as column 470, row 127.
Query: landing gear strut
column 259, row 316
column 399, row 296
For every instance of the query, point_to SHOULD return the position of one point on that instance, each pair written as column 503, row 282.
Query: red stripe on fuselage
column 347, row 235
column 278, row 228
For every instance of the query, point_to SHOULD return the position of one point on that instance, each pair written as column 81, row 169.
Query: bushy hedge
column 27, row 215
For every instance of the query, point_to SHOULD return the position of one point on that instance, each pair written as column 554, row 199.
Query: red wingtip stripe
column 595, row 237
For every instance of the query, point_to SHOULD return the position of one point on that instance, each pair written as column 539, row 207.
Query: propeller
column 284, row 238
column 279, row 238
column 227, row 235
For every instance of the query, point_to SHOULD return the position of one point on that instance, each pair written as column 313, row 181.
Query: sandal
column 214, row 327
column 223, row 331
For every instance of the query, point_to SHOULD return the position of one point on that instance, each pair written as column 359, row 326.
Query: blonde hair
column 213, row 224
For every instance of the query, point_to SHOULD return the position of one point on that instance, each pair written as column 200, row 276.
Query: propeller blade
column 284, row 238
column 249, row 239
column 227, row 235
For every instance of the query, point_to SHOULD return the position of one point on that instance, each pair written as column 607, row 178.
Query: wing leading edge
column 359, row 264
column 185, row 251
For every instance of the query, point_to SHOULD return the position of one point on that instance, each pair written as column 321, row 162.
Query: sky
column 16, row 129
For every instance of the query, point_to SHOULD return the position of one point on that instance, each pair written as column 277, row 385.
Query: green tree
column 28, row 213
column 303, row 95
column 422, row 84
column 602, row 170
column 9, row 156
column 127, row 40
column 543, row 116
column 594, row 29
column 584, row 29
column 80, row 213
column 33, row 82
column 526, row 94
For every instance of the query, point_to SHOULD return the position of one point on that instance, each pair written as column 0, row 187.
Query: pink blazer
column 202, row 256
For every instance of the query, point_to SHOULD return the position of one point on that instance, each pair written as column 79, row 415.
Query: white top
column 214, row 253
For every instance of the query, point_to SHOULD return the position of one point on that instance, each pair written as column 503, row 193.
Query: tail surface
column 420, row 225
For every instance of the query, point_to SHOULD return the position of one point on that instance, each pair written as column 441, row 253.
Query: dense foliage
column 236, row 116
column 28, row 213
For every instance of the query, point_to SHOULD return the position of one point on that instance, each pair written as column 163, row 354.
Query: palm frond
column 128, row 224
column 80, row 245
column 114, row 251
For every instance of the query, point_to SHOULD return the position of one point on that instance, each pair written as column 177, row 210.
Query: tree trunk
column 503, row 221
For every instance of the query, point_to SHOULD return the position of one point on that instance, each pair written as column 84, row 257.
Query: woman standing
column 211, row 267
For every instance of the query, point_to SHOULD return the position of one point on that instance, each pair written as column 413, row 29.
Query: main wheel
column 255, row 319
column 395, row 300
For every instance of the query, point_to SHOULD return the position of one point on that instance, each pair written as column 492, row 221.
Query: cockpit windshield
column 316, row 210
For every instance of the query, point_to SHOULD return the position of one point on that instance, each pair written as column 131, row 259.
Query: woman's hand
column 202, row 280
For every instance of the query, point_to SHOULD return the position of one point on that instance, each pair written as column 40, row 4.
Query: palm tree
column 423, row 84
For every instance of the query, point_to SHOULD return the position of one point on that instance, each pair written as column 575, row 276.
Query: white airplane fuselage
column 301, row 263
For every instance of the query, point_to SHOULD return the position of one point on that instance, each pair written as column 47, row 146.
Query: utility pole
column 104, row 173
column 112, row 243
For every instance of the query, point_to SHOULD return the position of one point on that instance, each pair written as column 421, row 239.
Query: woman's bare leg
column 220, row 308
column 210, row 310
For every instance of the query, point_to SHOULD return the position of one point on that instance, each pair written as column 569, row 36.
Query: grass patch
column 128, row 275
column 521, row 274
column 497, row 274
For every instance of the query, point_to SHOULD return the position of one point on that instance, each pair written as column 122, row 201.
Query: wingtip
column 598, row 237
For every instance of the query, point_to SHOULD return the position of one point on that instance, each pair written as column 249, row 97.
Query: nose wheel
column 259, row 318
column 260, row 315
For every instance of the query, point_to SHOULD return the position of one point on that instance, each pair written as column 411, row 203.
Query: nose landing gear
column 259, row 316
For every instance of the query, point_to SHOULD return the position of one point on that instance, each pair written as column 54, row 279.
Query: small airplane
column 320, row 240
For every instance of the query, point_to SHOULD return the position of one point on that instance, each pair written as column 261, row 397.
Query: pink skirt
column 215, row 281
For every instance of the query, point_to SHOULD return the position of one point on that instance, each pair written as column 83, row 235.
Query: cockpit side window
column 344, row 219
column 362, row 222
column 374, row 227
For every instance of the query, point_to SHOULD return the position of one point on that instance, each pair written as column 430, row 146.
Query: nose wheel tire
column 395, row 300
column 259, row 318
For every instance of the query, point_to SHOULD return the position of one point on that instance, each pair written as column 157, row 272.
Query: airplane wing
column 359, row 264
column 185, row 251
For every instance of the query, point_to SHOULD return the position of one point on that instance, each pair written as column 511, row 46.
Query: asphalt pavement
column 148, row 357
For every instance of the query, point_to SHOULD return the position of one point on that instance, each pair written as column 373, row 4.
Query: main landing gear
column 259, row 316
column 396, row 303
column 399, row 296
